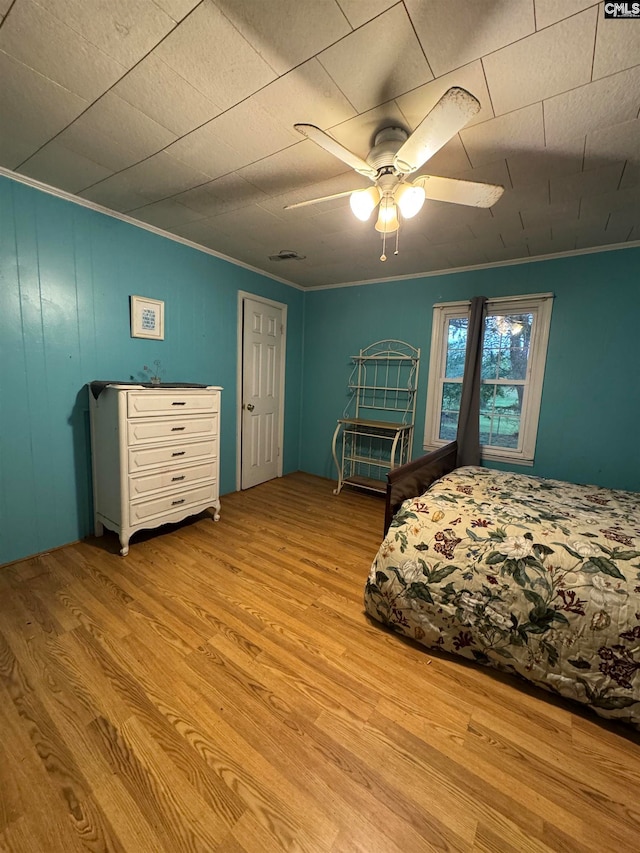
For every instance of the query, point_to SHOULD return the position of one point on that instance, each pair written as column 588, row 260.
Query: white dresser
column 155, row 455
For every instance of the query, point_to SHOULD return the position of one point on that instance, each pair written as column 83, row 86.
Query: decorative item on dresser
column 155, row 452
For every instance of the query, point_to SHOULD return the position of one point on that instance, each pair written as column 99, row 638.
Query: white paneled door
column 262, row 336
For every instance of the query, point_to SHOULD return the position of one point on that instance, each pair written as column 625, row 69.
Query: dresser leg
column 216, row 511
column 124, row 544
column 98, row 527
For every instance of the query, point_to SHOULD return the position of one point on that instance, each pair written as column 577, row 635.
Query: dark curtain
column 468, row 437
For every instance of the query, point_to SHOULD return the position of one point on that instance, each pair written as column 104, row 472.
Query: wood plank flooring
column 221, row 690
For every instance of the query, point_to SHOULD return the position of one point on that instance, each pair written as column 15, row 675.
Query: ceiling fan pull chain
column 397, row 237
column 383, row 256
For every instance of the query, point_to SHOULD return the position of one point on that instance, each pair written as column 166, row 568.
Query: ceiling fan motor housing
column 387, row 143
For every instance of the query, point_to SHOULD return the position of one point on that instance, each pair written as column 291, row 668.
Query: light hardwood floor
column 220, row 689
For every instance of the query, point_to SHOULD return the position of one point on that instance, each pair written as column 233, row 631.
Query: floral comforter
column 533, row 576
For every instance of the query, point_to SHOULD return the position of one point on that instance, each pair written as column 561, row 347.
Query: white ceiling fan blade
column 454, row 109
column 317, row 200
column 333, row 147
column 456, row 191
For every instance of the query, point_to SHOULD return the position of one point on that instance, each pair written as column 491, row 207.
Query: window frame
column 538, row 304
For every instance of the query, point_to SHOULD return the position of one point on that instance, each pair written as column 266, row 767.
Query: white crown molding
column 114, row 214
column 513, row 262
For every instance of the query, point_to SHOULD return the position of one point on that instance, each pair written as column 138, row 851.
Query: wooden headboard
column 412, row 479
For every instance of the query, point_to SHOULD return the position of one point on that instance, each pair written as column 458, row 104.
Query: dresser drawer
column 170, row 429
column 173, row 479
column 155, row 507
column 172, row 454
column 143, row 404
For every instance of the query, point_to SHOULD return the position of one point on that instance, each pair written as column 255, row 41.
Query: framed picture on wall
column 147, row 318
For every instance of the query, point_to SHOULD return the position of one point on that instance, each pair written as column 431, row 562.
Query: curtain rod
column 492, row 301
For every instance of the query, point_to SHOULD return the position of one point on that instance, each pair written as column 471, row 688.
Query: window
column 514, row 350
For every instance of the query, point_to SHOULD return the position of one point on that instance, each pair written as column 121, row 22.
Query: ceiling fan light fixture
column 387, row 217
column 409, row 199
column 363, row 202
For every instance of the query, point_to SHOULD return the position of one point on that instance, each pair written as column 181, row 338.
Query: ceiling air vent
column 287, row 255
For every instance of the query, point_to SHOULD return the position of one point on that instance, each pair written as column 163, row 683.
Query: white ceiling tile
column 203, row 149
column 548, row 214
column 33, row 108
column 341, row 221
column 39, row 40
column 252, row 132
column 455, row 35
column 617, row 46
column 221, row 196
column 542, row 65
column 358, row 12
column 177, row 9
column 199, row 231
column 624, row 199
column 466, row 253
column 602, row 180
column 390, row 60
column 302, row 164
column 436, row 231
column 115, row 134
column 209, row 52
column 58, row 166
column 207, row 233
column 163, row 95
column 16, row 147
column 589, row 239
column 504, row 136
column 124, row 29
column 530, row 238
column 609, row 101
column 622, row 219
column 540, row 165
column 281, row 34
column 618, row 142
column 252, row 220
column 550, row 11
column 630, row 176
column 564, row 239
column 415, row 105
column 158, row 177
column 308, row 95
column 114, row 193
column 165, row 214
column 510, row 231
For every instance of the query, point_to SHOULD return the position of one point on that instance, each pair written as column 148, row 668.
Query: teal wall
column 66, row 274
column 590, row 415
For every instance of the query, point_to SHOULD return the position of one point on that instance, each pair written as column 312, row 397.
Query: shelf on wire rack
column 384, row 380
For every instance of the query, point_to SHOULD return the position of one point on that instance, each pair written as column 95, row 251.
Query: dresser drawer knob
column 179, row 453
column 175, row 503
column 175, row 479
column 179, row 403
column 177, row 429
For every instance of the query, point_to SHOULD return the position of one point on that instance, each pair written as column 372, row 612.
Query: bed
column 536, row 577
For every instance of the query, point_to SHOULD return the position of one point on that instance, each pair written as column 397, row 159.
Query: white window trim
column 539, row 303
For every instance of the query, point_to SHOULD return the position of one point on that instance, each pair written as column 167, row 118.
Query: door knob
column 250, row 407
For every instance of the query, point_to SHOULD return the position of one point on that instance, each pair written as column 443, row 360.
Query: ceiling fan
column 396, row 154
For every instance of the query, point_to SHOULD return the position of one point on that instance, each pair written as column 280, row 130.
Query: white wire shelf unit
column 375, row 433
